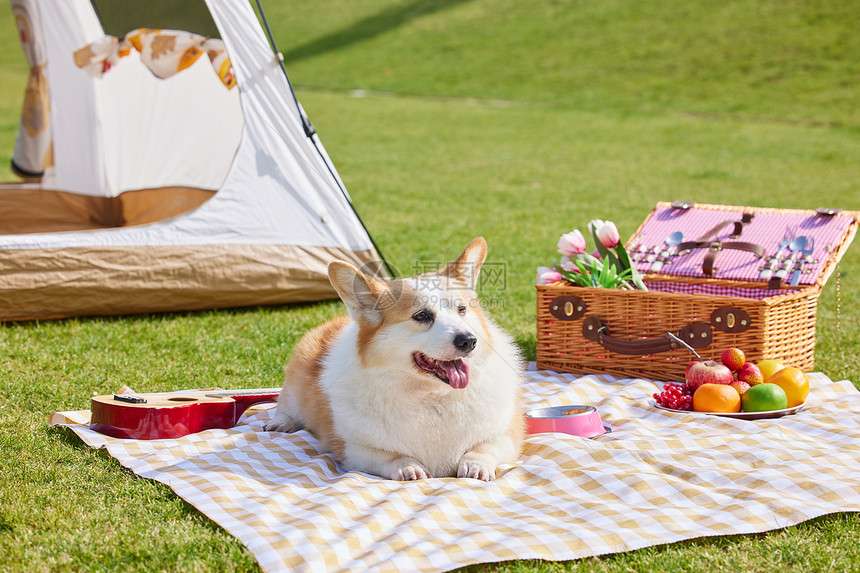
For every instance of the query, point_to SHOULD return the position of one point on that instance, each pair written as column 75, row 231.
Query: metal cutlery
column 773, row 262
column 672, row 242
column 807, row 259
column 796, row 245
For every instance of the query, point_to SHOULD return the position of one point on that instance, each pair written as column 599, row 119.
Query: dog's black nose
column 465, row 342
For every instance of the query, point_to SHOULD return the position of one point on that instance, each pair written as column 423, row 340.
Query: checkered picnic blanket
column 657, row 477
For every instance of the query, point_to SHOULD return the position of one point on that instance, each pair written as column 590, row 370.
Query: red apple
column 733, row 358
column 740, row 386
column 707, row 372
column 690, row 365
column 751, row 374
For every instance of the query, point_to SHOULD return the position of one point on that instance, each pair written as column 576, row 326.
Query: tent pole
column 310, row 132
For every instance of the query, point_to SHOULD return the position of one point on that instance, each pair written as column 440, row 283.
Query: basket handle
column 696, row 334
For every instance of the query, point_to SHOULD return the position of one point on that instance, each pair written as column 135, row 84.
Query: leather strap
column 714, row 247
column 738, row 225
column 696, row 334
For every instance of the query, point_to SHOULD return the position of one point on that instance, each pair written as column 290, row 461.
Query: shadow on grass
column 370, row 27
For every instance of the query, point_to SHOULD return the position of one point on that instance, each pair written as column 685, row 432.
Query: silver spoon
column 671, row 241
column 796, row 245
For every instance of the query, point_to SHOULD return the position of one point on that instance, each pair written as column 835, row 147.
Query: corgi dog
column 415, row 383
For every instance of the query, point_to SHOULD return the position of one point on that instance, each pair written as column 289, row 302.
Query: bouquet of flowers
column 607, row 267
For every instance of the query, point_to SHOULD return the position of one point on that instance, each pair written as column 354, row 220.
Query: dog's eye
column 461, row 309
column 422, row 316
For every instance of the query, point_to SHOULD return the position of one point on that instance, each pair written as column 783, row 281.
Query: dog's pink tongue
column 457, row 372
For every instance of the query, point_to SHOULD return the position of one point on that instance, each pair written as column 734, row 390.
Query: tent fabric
column 33, row 148
column 29, row 209
column 148, row 170
column 163, row 279
column 130, row 129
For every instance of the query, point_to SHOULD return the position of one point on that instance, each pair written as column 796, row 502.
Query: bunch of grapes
column 675, row 396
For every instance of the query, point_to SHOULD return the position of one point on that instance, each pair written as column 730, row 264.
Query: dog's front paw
column 282, row 423
column 407, row 469
column 472, row 466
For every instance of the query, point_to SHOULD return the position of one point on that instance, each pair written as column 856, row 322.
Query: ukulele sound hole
column 182, row 399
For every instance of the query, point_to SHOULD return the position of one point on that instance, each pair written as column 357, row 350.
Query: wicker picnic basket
column 624, row 332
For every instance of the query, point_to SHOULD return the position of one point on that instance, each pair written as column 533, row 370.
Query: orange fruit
column 769, row 367
column 716, row 398
column 794, row 382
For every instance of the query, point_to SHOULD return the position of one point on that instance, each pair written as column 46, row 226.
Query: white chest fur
column 399, row 410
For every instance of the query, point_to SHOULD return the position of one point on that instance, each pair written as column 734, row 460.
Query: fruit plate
column 739, row 415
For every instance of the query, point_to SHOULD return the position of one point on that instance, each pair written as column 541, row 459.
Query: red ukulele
column 173, row 414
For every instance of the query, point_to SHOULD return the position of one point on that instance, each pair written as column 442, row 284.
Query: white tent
column 175, row 168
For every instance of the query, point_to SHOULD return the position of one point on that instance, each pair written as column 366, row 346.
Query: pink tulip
column 568, row 265
column 608, row 235
column 548, row 275
column 594, row 224
column 572, row 243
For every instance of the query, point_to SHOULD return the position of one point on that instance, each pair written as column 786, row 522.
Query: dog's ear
column 363, row 296
column 467, row 267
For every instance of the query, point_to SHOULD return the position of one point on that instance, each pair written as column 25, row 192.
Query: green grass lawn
column 513, row 120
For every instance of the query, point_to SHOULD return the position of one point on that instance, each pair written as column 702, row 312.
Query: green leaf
column 605, row 253
column 588, row 260
column 635, row 277
column 623, row 257
column 611, row 275
column 575, row 278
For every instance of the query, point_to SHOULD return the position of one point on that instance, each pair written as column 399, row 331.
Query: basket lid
column 737, row 244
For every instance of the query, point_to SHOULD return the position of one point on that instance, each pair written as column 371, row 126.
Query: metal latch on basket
column 696, row 334
column 731, row 319
column 568, row 307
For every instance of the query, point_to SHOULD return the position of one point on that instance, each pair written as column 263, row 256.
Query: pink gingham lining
column 713, row 290
column 765, row 229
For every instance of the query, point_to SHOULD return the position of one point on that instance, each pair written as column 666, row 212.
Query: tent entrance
column 125, row 96
column 118, row 17
column 31, row 209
